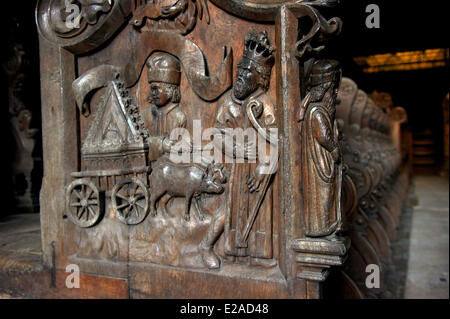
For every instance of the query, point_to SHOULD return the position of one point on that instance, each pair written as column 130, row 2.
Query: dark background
column 18, row 26
column 405, row 26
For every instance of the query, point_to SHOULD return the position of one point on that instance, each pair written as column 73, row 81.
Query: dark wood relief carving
column 322, row 151
column 246, row 218
column 178, row 16
column 89, row 12
column 323, row 244
column 141, row 79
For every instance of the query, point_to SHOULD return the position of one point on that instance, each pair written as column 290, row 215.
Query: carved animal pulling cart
column 115, row 166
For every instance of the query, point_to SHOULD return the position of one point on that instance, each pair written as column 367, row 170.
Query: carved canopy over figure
column 321, row 154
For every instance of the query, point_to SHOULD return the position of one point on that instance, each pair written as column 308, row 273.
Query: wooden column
column 60, row 143
column 288, row 100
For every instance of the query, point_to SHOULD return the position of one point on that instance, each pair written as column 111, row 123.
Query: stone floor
column 397, row 271
column 428, row 262
column 20, row 243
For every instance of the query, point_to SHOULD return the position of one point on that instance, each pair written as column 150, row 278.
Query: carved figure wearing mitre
column 321, row 155
column 165, row 113
column 247, row 217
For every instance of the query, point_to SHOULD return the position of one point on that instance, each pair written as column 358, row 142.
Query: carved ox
column 181, row 180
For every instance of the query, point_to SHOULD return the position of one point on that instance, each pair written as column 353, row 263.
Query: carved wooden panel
column 198, row 141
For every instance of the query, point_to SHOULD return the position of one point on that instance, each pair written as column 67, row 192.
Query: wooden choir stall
column 149, row 188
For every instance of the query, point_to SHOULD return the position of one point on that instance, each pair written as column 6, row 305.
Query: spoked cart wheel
column 83, row 204
column 130, row 200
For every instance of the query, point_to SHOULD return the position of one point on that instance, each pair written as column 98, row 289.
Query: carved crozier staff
column 251, row 108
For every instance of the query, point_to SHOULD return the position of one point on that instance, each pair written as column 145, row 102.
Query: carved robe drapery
column 322, row 173
column 160, row 123
column 240, row 202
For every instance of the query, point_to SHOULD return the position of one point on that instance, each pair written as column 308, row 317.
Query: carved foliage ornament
column 172, row 15
column 70, row 17
column 81, row 25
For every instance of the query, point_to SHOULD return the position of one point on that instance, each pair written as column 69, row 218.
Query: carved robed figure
column 247, row 215
column 321, row 156
column 165, row 113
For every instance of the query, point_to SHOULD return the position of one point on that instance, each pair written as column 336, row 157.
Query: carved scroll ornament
column 83, row 12
column 179, row 16
column 322, row 30
column 264, row 10
column 80, row 25
column 83, row 25
column 190, row 55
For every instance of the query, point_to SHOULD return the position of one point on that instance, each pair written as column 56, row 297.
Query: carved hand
column 254, row 180
column 253, row 183
column 167, row 145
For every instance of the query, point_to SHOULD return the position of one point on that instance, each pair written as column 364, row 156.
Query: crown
column 257, row 48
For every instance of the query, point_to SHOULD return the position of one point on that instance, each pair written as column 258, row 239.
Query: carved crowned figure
column 321, row 155
column 165, row 113
column 247, row 217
